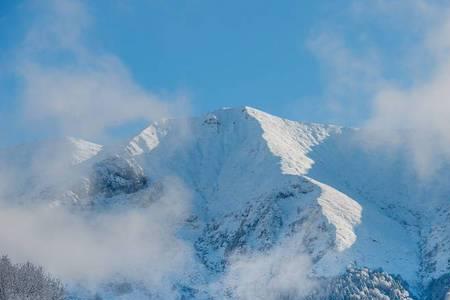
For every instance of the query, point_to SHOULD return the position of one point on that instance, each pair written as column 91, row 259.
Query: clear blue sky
column 273, row 55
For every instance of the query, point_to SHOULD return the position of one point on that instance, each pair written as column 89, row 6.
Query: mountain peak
column 257, row 180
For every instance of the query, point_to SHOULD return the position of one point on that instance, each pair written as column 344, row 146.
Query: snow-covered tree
column 27, row 282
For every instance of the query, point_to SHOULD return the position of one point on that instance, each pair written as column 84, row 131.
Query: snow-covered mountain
column 258, row 182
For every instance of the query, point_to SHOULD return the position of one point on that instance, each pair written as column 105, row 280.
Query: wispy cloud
column 280, row 273
column 81, row 90
column 411, row 112
column 139, row 245
column 417, row 115
column 349, row 76
column 84, row 91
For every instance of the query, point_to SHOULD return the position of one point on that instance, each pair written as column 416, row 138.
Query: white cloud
column 81, row 90
column 139, row 244
column 417, row 116
column 282, row 272
column 411, row 116
column 84, row 91
column 348, row 75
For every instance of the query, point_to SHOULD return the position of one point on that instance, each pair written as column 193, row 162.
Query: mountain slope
column 258, row 181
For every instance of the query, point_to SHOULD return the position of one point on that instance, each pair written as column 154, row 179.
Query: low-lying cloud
column 139, row 245
column 280, row 273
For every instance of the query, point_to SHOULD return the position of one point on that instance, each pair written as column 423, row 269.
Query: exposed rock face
column 117, row 175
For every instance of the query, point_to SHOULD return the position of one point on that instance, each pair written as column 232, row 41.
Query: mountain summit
column 257, row 182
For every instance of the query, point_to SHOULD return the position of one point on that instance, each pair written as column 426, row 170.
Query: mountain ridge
column 257, row 180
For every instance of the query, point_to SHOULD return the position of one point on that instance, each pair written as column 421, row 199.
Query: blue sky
column 319, row 61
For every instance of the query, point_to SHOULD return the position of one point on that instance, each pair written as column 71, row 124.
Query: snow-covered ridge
column 291, row 141
column 341, row 211
column 288, row 140
column 83, row 150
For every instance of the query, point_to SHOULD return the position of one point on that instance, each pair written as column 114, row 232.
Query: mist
column 282, row 272
column 91, row 248
column 82, row 92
